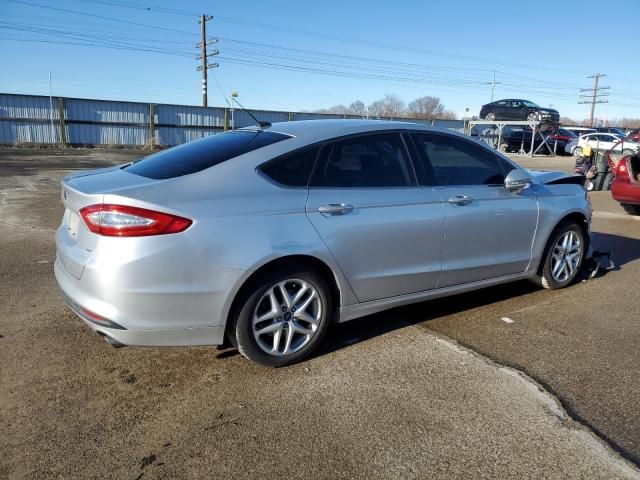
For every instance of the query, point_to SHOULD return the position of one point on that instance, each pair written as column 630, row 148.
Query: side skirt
column 351, row 312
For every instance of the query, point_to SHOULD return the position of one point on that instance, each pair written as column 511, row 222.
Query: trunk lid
column 75, row 242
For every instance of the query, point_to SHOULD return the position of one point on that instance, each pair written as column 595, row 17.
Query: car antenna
column 258, row 122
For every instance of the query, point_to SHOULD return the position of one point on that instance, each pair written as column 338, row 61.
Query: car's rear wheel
column 627, row 151
column 563, row 257
column 283, row 317
column 490, row 116
column 631, row 209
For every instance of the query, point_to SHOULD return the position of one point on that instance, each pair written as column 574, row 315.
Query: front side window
column 365, row 162
column 529, row 104
column 201, row 154
column 458, row 162
column 292, row 170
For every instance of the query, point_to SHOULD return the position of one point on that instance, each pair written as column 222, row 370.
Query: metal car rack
column 500, row 124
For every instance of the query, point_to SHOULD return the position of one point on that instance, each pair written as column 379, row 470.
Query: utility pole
column 493, row 84
column 202, row 45
column 594, row 95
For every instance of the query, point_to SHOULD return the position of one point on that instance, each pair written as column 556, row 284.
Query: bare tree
column 393, row 105
column 425, row 108
column 358, row 108
column 376, row 109
column 336, row 110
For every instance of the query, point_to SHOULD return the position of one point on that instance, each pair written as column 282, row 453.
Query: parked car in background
column 262, row 237
column 633, row 135
column 516, row 138
column 563, row 137
column 615, row 130
column 579, row 130
column 604, row 142
column 516, row 109
column 626, row 184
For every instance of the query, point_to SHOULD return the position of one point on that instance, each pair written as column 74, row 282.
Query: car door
column 504, row 110
column 489, row 230
column 517, row 110
column 384, row 230
column 600, row 141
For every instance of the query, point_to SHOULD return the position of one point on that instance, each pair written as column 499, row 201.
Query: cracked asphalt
column 434, row 390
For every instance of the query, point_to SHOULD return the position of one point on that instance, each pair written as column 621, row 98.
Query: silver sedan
column 263, row 237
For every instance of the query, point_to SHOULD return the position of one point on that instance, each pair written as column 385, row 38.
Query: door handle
column 336, row 209
column 460, row 200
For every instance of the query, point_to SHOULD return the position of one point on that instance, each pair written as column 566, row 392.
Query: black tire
column 577, row 151
column 533, row 116
column 490, row 116
column 627, row 151
column 631, row 209
column 607, row 181
column 243, row 328
column 544, row 277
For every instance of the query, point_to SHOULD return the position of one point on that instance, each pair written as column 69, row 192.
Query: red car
column 626, row 184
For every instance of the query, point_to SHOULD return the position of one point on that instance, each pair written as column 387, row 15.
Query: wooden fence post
column 63, row 128
column 152, row 126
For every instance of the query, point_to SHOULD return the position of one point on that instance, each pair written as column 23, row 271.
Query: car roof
column 310, row 131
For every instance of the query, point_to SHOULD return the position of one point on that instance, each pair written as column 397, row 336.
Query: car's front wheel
column 533, row 117
column 283, row 317
column 490, row 116
column 563, row 257
column 577, row 151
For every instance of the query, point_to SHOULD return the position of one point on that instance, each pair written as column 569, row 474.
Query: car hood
column 546, row 178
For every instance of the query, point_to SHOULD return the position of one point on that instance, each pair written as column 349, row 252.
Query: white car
column 603, row 142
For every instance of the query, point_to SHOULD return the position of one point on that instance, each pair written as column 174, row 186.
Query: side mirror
column 517, row 180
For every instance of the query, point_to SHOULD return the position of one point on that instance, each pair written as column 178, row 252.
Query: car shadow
column 624, row 250
column 361, row 329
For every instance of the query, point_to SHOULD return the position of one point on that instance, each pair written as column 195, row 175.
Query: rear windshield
column 196, row 156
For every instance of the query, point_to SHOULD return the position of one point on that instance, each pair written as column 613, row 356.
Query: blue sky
column 297, row 55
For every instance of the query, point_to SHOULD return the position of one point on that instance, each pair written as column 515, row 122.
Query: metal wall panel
column 105, row 111
column 27, row 106
column 83, row 134
column 170, row 136
column 189, row 115
column 12, row 132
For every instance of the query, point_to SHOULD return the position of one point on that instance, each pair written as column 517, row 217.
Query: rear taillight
column 622, row 170
column 125, row 221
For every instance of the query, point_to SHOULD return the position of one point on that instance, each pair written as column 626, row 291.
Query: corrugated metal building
column 33, row 119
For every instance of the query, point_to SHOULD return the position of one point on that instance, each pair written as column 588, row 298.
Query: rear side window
column 458, row 162
column 195, row 156
column 369, row 161
column 292, row 170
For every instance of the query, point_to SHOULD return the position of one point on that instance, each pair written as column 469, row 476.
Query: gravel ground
column 387, row 397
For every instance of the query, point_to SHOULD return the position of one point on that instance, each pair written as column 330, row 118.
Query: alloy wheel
column 287, row 317
column 566, row 256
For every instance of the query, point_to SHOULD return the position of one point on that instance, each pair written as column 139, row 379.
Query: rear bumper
column 625, row 192
column 135, row 303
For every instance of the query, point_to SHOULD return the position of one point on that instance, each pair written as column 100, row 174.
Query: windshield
column 529, row 104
